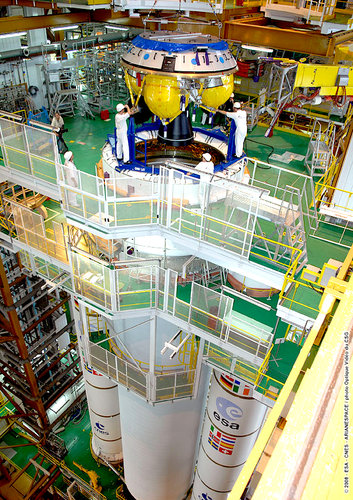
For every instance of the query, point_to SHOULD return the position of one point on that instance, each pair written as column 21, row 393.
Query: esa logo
column 204, row 496
column 227, row 412
column 100, row 429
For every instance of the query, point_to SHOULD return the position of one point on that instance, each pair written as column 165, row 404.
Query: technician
column 71, row 178
column 206, row 166
column 206, row 169
column 122, row 143
column 58, row 123
column 239, row 117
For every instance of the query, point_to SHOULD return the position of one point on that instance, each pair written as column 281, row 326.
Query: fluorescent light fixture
column 119, row 28
column 12, row 116
column 12, row 35
column 62, row 28
column 49, row 128
column 257, row 49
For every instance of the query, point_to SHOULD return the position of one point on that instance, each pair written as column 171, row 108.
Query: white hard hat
column 68, row 155
column 232, row 94
column 236, row 105
column 207, row 156
column 120, row 107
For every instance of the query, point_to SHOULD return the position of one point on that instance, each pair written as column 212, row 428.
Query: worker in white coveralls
column 206, row 170
column 71, row 178
column 239, row 117
column 122, row 143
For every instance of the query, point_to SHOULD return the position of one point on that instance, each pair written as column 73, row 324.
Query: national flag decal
column 234, row 385
column 221, row 442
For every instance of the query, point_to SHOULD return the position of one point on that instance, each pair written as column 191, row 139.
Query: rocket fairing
column 174, row 53
column 170, row 69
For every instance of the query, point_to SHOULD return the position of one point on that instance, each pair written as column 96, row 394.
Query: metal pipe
column 72, row 44
column 44, row 126
column 112, row 468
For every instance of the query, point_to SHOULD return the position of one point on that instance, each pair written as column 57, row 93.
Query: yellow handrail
column 289, row 280
column 321, row 189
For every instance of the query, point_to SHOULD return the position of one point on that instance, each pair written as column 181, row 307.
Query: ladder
column 319, row 154
column 214, row 278
column 83, row 107
column 252, row 115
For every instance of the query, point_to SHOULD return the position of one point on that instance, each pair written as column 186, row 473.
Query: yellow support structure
column 93, row 477
column 325, row 77
column 314, row 437
column 311, row 445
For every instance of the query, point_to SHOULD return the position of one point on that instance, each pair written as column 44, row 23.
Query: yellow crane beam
column 257, row 32
column 20, row 23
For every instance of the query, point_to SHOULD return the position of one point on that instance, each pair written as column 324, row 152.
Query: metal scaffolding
column 91, row 79
column 35, row 370
column 279, row 91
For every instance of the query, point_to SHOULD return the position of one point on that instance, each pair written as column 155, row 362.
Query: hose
column 33, row 90
column 267, row 146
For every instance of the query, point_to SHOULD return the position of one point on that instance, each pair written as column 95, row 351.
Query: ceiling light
column 120, row 28
column 61, row 28
column 257, row 49
column 12, row 35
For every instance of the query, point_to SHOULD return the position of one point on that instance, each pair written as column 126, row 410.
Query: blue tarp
column 145, row 43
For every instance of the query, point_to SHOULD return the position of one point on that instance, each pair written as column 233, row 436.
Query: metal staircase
column 319, row 155
column 83, row 107
column 252, row 115
column 212, row 278
column 296, row 229
column 64, row 102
